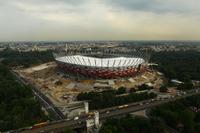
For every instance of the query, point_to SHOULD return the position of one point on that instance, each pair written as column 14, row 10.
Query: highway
column 108, row 113
column 56, row 114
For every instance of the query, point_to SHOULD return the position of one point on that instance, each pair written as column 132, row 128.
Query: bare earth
column 62, row 91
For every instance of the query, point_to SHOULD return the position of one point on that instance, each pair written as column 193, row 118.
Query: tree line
column 182, row 65
column 99, row 100
column 13, row 58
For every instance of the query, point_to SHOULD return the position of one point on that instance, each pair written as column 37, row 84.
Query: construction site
column 62, row 90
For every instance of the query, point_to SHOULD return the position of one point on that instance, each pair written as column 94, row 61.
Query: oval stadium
column 103, row 66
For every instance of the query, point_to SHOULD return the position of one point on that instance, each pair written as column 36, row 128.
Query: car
column 107, row 112
column 76, row 118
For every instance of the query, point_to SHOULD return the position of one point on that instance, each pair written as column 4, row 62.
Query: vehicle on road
column 123, row 106
column 40, row 125
column 76, row 118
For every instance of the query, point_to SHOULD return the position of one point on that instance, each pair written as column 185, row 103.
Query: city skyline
column 50, row 20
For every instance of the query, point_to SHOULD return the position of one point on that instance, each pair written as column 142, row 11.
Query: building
column 103, row 65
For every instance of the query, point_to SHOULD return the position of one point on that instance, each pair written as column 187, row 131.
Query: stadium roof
column 101, row 62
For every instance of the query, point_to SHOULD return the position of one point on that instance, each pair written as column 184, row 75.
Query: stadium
column 103, row 65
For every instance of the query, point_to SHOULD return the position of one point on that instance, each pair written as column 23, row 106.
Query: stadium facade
column 108, row 66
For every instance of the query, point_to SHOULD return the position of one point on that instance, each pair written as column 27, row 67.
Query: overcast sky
column 36, row 20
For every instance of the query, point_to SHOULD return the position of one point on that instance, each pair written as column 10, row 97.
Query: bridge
column 116, row 111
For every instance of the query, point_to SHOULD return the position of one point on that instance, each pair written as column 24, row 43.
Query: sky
column 54, row 20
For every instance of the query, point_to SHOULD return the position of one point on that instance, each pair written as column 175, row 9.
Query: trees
column 121, row 90
column 144, row 87
column 26, row 59
column 110, row 98
column 18, row 108
column 178, row 114
column 182, row 65
column 185, row 86
column 131, row 124
column 163, row 88
column 132, row 90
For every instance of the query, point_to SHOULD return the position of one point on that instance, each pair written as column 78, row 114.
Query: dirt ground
column 62, row 90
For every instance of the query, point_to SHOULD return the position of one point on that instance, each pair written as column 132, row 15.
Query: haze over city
column 50, row 20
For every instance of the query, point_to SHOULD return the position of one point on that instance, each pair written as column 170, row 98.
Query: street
column 108, row 113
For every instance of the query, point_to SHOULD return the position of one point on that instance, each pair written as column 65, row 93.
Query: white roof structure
column 101, row 62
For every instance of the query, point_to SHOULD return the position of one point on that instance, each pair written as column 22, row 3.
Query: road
column 108, row 113
column 56, row 114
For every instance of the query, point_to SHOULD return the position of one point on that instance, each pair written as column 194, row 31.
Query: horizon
column 101, row 41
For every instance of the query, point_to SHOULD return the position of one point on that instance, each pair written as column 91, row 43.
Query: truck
column 123, row 106
column 40, row 125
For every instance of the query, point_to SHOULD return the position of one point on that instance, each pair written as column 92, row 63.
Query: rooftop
column 101, row 62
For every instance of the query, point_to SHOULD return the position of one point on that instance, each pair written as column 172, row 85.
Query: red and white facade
column 104, row 68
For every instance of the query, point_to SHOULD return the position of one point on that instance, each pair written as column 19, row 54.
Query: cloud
column 99, row 19
column 157, row 6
